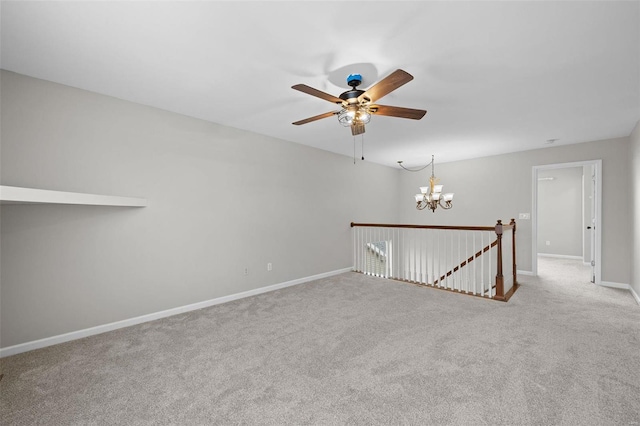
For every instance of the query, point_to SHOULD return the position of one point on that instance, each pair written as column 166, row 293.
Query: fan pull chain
column 354, row 150
column 362, row 146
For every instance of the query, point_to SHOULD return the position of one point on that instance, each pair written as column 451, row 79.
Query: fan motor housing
column 351, row 94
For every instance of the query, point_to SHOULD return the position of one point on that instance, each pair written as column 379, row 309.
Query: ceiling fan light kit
column 357, row 105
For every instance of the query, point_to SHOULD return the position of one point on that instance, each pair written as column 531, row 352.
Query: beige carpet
column 352, row 350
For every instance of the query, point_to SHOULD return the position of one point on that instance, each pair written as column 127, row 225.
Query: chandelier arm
column 447, row 205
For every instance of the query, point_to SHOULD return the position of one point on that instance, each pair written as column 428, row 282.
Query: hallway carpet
column 352, row 349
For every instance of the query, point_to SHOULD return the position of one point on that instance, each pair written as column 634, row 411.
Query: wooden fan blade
column 392, row 111
column 386, row 86
column 317, row 93
column 316, row 117
column 357, row 129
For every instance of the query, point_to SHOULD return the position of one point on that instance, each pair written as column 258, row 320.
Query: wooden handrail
column 466, row 262
column 462, row 228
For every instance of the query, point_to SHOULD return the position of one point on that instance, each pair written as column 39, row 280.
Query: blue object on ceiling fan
column 355, row 78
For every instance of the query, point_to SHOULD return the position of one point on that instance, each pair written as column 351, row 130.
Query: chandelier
column 431, row 196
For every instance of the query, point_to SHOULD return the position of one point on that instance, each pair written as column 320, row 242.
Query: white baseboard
column 622, row 286
column 74, row 335
column 529, row 273
column 635, row 295
column 561, row 256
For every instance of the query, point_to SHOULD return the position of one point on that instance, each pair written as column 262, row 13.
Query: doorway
column 568, row 229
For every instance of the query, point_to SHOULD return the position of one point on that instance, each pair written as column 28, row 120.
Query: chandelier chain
column 415, row 170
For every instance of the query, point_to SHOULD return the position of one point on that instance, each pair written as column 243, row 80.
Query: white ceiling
column 495, row 77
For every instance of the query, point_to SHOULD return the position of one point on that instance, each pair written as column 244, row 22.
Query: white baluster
column 394, row 264
column 450, row 280
column 367, row 240
column 409, row 253
column 361, row 246
column 466, row 259
column 415, row 255
column 372, row 239
column 402, row 255
column 416, row 233
column 398, row 250
column 426, row 256
column 407, row 247
column 387, row 251
column 438, row 258
column 383, row 253
column 358, row 268
column 378, row 257
column 434, row 256
column 419, row 244
column 453, row 262
column 423, row 255
column 446, row 258
column 397, row 253
column 364, row 250
column 475, row 265
column 459, row 261
column 374, row 257
column 372, row 252
column 405, row 255
column 441, row 255
column 482, row 262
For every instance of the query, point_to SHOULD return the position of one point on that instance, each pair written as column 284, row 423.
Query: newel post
column 513, row 247
column 499, row 278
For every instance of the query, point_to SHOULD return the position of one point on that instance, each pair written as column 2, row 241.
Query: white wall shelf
column 17, row 195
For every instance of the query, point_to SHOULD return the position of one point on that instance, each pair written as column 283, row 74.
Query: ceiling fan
column 357, row 105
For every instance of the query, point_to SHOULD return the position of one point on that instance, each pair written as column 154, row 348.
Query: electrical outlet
column 269, row 266
column 524, row 216
column 548, row 243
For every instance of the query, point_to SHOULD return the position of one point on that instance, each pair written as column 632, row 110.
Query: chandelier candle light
column 431, row 196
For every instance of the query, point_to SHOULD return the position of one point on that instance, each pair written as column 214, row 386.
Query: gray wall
column 634, row 160
column 560, row 212
column 221, row 199
column 499, row 187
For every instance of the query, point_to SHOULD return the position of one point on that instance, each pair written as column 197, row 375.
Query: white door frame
column 597, row 166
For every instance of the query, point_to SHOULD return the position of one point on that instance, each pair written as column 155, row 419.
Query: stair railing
column 476, row 260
